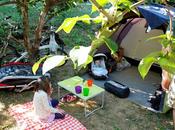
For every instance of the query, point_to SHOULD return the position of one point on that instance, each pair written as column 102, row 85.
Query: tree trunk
column 24, row 11
column 38, row 31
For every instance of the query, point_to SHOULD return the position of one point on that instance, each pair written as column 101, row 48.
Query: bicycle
column 49, row 45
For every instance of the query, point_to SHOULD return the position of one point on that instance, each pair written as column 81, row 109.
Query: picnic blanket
column 24, row 117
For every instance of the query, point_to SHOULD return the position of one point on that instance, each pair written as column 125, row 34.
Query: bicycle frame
column 52, row 46
column 24, row 54
column 49, row 44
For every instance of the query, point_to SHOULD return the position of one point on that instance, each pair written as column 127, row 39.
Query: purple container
column 78, row 89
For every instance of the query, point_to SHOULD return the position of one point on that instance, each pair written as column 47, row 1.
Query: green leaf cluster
column 79, row 56
column 164, row 58
column 107, row 17
column 69, row 23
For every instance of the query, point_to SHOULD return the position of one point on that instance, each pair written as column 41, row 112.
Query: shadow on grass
column 10, row 98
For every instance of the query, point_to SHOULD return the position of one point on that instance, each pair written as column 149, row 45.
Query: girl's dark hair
column 43, row 83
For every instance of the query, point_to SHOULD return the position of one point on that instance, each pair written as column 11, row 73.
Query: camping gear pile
column 157, row 99
column 131, row 36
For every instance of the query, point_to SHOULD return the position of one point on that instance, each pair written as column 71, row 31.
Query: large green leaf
column 98, row 19
column 173, row 44
column 85, row 18
column 89, row 60
column 167, row 64
column 101, row 3
column 113, row 46
column 171, row 56
column 157, row 37
column 68, row 24
column 119, row 16
column 123, row 4
column 36, row 65
column 146, row 63
column 165, row 42
column 80, row 56
column 53, row 62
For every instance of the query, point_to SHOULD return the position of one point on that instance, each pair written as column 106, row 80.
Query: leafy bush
column 82, row 33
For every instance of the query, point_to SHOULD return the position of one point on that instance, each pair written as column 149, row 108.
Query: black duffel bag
column 117, row 89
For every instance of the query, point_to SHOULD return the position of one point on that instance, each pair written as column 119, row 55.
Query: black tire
column 10, row 53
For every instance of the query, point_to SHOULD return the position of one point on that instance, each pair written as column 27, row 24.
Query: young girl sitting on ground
column 45, row 108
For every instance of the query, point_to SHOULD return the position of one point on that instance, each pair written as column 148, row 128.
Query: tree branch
column 8, row 3
column 24, row 11
column 133, row 6
column 12, row 2
column 41, row 22
column 100, row 8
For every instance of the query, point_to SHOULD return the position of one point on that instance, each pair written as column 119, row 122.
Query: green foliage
column 110, row 44
column 123, row 4
column 166, row 62
column 79, row 56
column 145, row 63
column 52, row 62
column 49, row 62
column 101, row 3
column 6, row 11
column 36, row 65
column 82, row 34
column 69, row 23
column 165, row 58
column 113, row 13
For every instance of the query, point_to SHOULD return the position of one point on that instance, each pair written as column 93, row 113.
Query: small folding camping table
column 69, row 85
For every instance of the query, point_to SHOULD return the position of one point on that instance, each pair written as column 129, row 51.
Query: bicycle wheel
column 9, row 56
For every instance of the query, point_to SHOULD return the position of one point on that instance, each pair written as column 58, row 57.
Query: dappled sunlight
column 20, row 109
column 2, row 106
column 89, row 104
column 79, row 103
column 169, row 122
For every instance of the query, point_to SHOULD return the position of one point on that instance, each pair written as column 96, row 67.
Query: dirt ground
column 117, row 114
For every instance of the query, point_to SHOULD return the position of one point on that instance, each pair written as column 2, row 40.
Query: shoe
column 68, row 98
